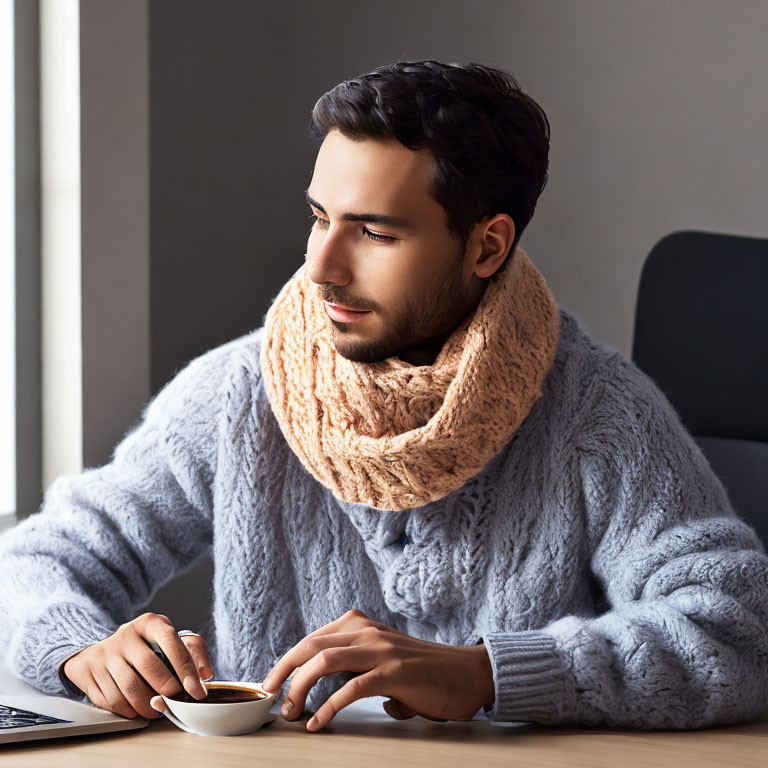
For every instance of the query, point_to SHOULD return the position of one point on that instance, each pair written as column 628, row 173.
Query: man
column 421, row 478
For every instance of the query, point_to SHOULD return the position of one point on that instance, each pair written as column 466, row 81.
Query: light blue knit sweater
column 597, row 555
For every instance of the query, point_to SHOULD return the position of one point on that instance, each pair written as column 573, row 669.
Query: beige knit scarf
column 394, row 435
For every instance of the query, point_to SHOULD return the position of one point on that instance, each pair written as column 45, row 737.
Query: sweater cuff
column 64, row 630
column 528, row 677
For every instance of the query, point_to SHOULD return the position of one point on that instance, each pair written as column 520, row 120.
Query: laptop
column 27, row 713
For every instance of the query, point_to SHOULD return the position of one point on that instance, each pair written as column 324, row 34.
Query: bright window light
column 62, row 406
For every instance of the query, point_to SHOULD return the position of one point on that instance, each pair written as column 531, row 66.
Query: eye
column 322, row 223
column 376, row 237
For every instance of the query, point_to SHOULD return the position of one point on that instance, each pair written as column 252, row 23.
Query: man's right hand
column 122, row 673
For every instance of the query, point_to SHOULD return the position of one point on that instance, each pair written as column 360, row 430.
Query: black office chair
column 701, row 333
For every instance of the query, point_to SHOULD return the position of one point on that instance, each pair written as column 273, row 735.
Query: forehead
column 373, row 175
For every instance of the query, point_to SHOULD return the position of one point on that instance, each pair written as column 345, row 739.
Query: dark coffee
column 220, row 694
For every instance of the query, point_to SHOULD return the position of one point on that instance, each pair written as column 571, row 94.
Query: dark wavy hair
column 489, row 139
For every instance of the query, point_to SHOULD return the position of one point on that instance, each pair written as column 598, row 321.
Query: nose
column 328, row 260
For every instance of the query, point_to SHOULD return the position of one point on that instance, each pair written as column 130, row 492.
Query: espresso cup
column 230, row 709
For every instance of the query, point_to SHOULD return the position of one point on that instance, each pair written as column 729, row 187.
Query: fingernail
column 312, row 723
column 194, row 686
column 287, row 706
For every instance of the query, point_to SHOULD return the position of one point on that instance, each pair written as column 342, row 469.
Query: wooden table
column 366, row 736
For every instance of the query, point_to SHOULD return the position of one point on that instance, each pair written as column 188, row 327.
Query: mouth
column 343, row 315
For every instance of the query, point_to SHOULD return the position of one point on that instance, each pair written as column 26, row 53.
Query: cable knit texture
column 596, row 554
column 394, row 435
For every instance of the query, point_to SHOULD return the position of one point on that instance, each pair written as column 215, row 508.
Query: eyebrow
column 372, row 218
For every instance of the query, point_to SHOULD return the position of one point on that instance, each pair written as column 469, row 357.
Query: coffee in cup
column 221, row 693
column 229, row 708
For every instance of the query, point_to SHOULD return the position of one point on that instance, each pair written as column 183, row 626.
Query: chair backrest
column 701, row 333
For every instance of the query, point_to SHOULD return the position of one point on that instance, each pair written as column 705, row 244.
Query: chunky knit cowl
column 394, row 435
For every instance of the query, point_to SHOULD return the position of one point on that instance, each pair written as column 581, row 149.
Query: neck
column 426, row 351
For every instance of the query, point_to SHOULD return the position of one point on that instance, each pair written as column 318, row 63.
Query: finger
column 198, row 650
column 369, row 684
column 353, row 619
column 360, row 658
column 398, row 710
column 111, row 694
column 150, row 667
column 156, row 702
column 178, row 654
column 301, row 653
column 143, row 658
column 349, row 622
column 132, row 686
column 96, row 697
column 92, row 690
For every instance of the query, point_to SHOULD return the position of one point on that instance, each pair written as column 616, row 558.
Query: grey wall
column 657, row 112
column 215, row 259
column 658, row 122
column 114, row 126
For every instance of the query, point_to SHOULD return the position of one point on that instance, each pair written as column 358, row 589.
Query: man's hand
column 122, row 673
column 436, row 681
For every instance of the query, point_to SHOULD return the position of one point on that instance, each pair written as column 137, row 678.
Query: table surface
column 363, row 734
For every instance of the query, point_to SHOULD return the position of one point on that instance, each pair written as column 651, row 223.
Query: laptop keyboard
column 13, row 717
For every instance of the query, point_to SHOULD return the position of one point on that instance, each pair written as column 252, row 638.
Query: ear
column 495, row 239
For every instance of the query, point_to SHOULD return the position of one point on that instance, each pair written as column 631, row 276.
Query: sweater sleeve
column 684, row 643
column 105, row 540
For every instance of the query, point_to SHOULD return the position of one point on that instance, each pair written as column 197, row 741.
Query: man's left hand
column 436, row 681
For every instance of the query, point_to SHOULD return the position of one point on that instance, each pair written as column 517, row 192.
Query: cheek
column 396, row 298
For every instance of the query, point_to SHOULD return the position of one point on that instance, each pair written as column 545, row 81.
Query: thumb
column 398, row 710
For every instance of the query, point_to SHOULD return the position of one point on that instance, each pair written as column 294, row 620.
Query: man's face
column 412, row 278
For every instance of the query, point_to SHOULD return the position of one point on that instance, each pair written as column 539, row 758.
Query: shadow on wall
column 186, row 600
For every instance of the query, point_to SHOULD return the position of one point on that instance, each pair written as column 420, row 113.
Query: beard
column 423, row 317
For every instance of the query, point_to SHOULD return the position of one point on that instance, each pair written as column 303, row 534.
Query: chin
column 360, row 351
column 358, row 354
